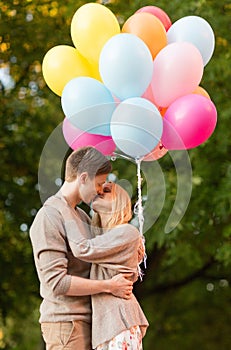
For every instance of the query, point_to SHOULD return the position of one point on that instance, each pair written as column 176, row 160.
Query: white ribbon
column 138, row 207
column 138, row 210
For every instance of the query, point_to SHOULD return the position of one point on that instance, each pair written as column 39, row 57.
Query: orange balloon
column 148, row 28
column 162, row 110
column 200, row 91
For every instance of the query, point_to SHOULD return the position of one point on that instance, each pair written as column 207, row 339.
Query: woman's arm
column 103, row 248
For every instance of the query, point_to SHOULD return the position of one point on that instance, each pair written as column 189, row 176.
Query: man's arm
column 118, row 286
column 50, row 254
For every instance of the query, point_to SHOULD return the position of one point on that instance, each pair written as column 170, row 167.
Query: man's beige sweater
column 56, row 263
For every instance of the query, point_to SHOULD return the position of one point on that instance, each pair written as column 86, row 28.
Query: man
column 64, row 280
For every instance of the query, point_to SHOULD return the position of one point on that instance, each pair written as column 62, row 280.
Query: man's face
column 92, row 187
column 103, row 203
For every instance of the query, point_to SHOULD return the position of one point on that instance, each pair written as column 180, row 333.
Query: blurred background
column 186, row 289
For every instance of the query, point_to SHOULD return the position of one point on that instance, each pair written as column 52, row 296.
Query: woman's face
column 102, row 204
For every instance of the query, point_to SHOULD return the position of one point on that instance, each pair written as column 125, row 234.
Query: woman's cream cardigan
column 115, row 251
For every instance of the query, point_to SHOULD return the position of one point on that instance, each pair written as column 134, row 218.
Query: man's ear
column 83, row 177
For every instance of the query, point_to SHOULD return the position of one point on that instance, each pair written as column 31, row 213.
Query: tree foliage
column 186, row 288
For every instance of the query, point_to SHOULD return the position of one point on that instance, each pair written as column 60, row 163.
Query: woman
column 116, row 323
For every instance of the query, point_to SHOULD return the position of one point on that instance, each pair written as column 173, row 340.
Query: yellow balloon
column 61, row 64
column 91, row 27
column 95, row 71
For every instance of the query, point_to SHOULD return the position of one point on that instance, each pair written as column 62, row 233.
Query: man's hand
column 121, row 287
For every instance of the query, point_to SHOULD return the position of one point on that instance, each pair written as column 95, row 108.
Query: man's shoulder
column 50, row 209
column 54, row 201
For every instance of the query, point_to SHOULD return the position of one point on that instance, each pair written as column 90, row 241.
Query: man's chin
column 94, row 205
column 96, row 197
column 87, row 201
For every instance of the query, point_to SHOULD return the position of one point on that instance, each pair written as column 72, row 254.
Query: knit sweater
column 113, row 252
column 55, row 262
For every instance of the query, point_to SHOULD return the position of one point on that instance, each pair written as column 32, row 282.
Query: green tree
column 186, row 288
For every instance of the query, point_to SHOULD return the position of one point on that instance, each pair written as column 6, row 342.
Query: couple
column 87, row 269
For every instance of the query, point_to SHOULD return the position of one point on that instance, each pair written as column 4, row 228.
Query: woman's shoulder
column 129, row 230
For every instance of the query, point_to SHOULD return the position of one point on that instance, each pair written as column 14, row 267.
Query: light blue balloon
column 136, row 126
column 197, row 31
column 88, row 104
column 126, row 65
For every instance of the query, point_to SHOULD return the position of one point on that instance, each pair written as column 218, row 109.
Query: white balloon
column 125, row 65
column 88, row 105
column 136, row 126
column 196, row 30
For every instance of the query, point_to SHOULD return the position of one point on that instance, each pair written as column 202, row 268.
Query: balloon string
column 115, row 155
column 138, row 210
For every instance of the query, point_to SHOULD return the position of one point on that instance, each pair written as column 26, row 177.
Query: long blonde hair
column 121, row 208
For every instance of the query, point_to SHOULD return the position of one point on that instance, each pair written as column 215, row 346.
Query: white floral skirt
column 131, row 339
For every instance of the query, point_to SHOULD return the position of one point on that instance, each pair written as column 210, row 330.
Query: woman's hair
column 86, row 159
column 121, row 207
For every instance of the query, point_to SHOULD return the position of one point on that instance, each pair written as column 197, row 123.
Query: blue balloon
column 197, row 31
column 136, row 126
column 88, row 104
column 126, row 65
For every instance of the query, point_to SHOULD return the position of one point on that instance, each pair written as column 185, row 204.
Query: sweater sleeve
column 50, row 251
column 111, row 247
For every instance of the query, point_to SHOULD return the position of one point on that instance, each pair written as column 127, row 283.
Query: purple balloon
column 188, row 122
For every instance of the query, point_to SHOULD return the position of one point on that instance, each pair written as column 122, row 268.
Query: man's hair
column 86, row 159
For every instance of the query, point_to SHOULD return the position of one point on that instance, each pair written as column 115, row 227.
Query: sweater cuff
column 63, row 286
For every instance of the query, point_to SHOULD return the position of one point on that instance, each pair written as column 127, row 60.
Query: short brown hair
column 86, row 159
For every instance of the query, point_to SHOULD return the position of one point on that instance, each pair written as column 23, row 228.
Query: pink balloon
column 159, row 13
column 188, row 122
column 76, row 138
column 177, row 71
column 148, row 94
column 158, row 152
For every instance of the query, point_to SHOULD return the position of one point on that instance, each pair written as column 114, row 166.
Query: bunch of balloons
column 136, row 88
